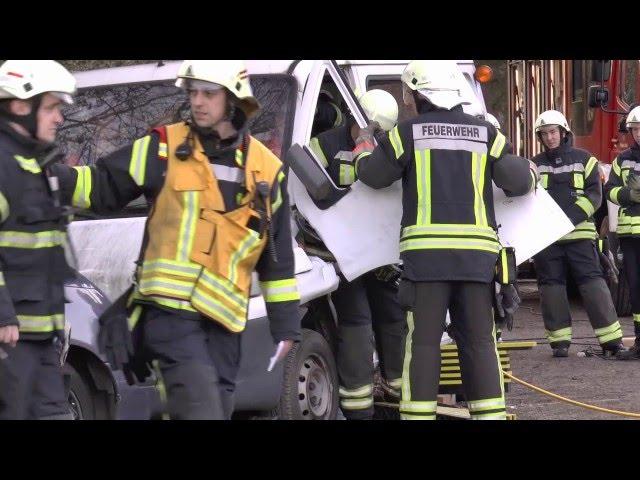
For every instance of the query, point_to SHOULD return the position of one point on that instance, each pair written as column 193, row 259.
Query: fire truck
column 595, row 96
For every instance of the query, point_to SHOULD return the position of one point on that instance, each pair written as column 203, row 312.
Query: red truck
column 595, row 96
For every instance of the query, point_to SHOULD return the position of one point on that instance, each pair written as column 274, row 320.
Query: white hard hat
column 214, row 74
column 551, row 117
column 633, row 118
column 25, row 79
column 492, row 120
column 381, row 107
column 439, row 81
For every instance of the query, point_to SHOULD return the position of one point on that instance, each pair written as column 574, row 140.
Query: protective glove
column 633, row 182
column 388, row 274
column 507, row 302
column 634, row 196
column 367, row 134
column 609, row 266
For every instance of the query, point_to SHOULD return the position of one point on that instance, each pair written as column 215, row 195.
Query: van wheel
column 620, row 293
column 310, row 388
column 85, row 401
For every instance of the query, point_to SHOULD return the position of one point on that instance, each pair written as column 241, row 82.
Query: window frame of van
column 130, row 211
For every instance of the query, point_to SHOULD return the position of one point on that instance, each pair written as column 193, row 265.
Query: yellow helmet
column 381, row 107
column 25, row 79
column 633, row 118
column 215, row 74
column 551, row 117
column 439, row 81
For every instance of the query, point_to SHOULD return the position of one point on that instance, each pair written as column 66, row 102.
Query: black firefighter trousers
column 197, row 359
column 471, row 307
column 579, row 257
column 32, row 383
column 631, row 254
column 366, row 306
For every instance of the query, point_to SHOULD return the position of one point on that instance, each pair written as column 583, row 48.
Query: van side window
column 392, row 85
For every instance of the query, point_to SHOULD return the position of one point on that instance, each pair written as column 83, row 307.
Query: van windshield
column 103, row 119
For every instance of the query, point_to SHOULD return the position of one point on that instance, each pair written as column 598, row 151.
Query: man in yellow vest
column 220, row 209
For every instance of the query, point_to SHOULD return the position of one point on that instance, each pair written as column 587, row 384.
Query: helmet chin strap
column 30, row 121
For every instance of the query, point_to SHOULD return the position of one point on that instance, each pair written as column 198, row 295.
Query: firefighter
column 449, row 244
column 220, row 208
column 32, row 256
column 571, row 177
column 623, row 188
column 368, row 303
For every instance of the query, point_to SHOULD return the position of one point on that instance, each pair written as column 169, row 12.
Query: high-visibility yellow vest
column 198, row 256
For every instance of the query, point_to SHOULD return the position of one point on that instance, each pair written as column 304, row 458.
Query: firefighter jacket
column 202, row 242
column 571, row 177
column 446, row 160
column 334, row 148
column 616, row 190
column 32, row 260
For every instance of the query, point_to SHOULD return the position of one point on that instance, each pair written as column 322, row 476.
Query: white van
column 114, row 107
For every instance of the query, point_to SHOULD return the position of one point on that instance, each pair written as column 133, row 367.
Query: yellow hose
column 573, row 402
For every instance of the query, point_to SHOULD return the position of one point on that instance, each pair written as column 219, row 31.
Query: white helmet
column 551, row 117
column 25, row 79
column 439, row 81
column 492, row 120
column 633, row 119
column 215, row 74
column 381, row 107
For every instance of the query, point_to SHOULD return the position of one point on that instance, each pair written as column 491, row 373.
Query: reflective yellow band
column 408, row 416
column 357, row 160
column 423, row 180
column 4, row 208
column 418, row 407
column 498, row 145
column 583, row 231
column 166, row 286
column 249, row 243
column 616, row 167
column 239, row 157
column 586, row 205
column 544, row 180
column 478, row 164
column 628, row 225
column 396, row 142
column 188, row 225
column 41, row 323
column 171, row 267
column 138, row 164
column 450, row 244
column 406, row 381
column 578, row 180
column 280, row 290
column 166, row 302
column 347, row 174
column 606, row 334
column 636, row 317
column 134, row 317
column 505, row 266
column 486, row 404
column 215, row 309
column 278, row 202
column 28, row 164
column 613, row 195
column 2, row 283
column 51, row 238
column 82, row 193
column 225, row 289
column 162, row 150
column 593, row 161
column 396, row 383
column 356, row 392
column 356, row 404
column 317, row 149
column 564, row 334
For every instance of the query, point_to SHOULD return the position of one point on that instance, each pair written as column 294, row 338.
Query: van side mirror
column 600, row 70
column 598, row 96
column 314, row 177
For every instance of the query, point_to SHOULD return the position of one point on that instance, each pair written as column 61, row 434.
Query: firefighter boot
column 632, row 353
column 596, row 299
column 557, row 318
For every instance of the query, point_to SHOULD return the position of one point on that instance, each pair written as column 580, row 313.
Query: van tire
column 310, row 384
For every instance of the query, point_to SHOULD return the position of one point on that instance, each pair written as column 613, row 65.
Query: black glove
column 633, row 182
column 507, row 302
column 388, row 274
column 609, row 266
